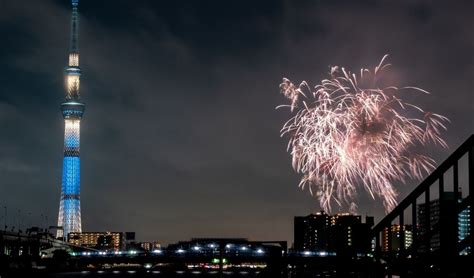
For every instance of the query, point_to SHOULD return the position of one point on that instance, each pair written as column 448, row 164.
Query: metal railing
column 434, row 224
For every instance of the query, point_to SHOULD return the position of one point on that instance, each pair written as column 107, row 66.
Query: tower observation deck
column 72, row 110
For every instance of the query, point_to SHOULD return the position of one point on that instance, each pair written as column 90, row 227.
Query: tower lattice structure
column 72, row 110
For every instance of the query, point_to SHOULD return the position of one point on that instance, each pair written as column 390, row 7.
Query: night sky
column 181, row 137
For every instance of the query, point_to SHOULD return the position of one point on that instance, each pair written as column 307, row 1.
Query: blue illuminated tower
column 72, row 109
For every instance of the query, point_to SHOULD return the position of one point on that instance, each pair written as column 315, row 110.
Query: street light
column 5, row 220
column 29, row 220
column 19, row 220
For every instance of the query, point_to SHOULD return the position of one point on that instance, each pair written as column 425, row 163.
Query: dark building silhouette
column 430, row 216
column 430, row 230
column 130, row 240
column 339, row 234
column 348, row 235
column 396, row 236
column 312, row 232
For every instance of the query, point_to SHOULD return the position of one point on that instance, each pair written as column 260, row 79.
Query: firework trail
column 348, row 133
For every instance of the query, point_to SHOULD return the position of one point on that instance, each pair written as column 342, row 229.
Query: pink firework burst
column 349, row 133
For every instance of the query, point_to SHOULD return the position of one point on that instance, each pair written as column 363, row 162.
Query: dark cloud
column 180, row 136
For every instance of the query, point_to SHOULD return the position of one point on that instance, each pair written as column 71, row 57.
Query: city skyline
column 182, row 139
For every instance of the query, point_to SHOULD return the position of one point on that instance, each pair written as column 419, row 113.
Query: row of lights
column 228, row 246
column 104, row 253
column 320, row 254
column 156, row 251
column 212, row 245
column 325, row 254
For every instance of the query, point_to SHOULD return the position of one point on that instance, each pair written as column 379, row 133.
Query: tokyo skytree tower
column 72, row 109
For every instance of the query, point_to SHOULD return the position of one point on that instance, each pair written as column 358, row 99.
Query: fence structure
column 425, row 234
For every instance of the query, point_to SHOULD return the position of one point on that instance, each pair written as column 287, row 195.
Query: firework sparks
column 349, row 133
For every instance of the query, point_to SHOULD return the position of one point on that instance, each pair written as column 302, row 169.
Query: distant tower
column 72, row 109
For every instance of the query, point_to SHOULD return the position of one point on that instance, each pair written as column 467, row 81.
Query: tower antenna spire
column 75, row 27
column 73, row 72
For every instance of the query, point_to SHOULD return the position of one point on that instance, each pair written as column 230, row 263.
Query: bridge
column 219, row 254
column 34, row 244
column 216, row 253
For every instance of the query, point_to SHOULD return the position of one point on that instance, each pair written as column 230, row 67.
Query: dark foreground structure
column 441, row 222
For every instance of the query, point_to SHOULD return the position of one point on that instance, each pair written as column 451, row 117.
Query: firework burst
column 349, row 132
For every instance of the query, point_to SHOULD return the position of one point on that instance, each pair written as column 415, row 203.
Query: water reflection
column 160, row 274
column 204, row 274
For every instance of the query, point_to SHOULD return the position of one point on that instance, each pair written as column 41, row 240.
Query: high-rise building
column 396, row 236
column 130, row 239
column 72, row 110
column 107, row 241
column 149, row 245
column 463, row 228
column 342, row 233
column 312, row 232
column 433, row 218
column 348, row 235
